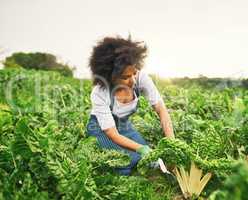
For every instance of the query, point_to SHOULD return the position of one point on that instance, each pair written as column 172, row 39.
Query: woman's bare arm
column 165, row 119
column 121, row 140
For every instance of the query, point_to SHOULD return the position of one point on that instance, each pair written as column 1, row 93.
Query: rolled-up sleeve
column 148, row 88
column 100, row 108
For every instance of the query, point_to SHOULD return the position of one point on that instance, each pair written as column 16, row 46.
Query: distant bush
column 245, row 83
column 209, row 83
column 39, row 61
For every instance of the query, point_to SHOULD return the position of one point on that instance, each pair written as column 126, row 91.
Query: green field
column 44, row 152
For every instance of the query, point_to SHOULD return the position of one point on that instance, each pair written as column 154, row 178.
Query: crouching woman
column 118, row 79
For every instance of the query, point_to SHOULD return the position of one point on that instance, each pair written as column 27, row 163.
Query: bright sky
column 184, row 37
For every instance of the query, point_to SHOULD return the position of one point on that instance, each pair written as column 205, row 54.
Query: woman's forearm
column 121, row 140
column 165, row 119
column 166, row 124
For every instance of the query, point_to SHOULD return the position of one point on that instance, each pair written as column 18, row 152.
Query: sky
column 184, row 37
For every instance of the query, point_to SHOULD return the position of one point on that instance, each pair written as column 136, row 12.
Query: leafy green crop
column 177, row 152
column 45, row 154
column 235, row 186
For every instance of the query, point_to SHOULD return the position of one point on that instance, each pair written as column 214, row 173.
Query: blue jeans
column 126, row 129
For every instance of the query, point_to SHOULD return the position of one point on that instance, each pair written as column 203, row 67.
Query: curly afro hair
column 112, row 55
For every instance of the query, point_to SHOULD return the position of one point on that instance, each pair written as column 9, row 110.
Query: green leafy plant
column 44, row 152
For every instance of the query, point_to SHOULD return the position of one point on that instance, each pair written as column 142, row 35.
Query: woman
column 118, row 81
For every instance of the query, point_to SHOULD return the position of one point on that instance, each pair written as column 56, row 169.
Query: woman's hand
column 144, row 150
